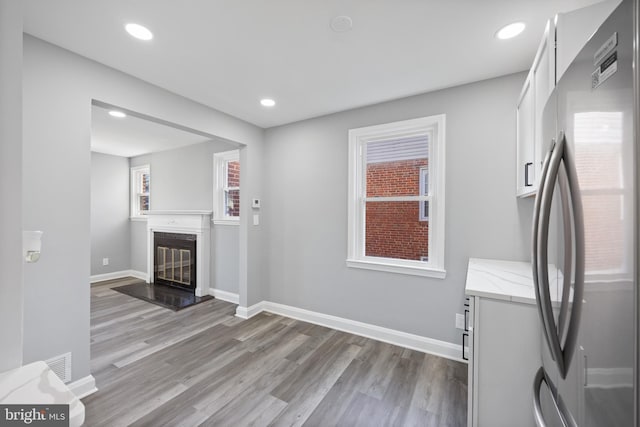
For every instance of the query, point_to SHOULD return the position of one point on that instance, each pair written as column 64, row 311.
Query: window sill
column 138, row 218
column 226, row 221
column 396, row 268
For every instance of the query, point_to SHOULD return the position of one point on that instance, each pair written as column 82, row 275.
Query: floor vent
column 61, row 366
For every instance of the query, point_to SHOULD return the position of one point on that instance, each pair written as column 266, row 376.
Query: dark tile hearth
column 162, row 295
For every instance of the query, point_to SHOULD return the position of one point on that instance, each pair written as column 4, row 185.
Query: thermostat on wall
column 255, row 203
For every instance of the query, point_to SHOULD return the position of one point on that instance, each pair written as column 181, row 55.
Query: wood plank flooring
column 205, row 367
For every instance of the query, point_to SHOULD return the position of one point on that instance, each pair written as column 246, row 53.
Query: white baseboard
column 139, row 275
column 224, row 295
column 83, row 387
column 391, row 336
column 249, row 312
column 610, row 377
column 119, row 275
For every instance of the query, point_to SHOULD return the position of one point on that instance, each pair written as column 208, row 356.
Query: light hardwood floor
column 203, row 366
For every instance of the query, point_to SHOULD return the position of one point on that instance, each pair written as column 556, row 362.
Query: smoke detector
column 341, row 24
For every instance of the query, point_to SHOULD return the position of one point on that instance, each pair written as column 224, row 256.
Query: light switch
column 255, row 203
column 256, row 219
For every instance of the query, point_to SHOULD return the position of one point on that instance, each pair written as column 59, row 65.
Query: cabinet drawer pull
column 463, row 336
column 526, row 174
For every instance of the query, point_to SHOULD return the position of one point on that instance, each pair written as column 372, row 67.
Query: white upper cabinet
column 524, row 149
column 562, row 40
column 537, row 88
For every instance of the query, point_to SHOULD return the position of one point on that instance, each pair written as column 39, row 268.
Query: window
column 226, row 177
column 396, row 197
column 140, row 184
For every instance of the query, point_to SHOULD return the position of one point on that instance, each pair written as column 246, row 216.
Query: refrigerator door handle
column 542, row 240
column 537, row 407
column 562, row 169
column 579, row 268
column 565, row 198
column 534, row 240
column 541, row 377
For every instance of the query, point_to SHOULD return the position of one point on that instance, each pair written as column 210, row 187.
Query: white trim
column 390, row 336
column 224, row 295
column 139, row 275
column 118, row 275
column 434, row 128
column 249, row 312
column 227, row 221
column 83, row 387
column 397, row 268
column 610, row 377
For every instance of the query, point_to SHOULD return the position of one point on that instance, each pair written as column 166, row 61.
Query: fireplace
column 195, row 228
column 175, row 260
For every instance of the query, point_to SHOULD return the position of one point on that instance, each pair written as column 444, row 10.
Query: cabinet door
column 472, row 371
column 506, row 352
column 543, row 75
column 525, row 135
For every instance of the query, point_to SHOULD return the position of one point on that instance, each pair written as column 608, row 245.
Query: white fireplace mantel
column 185, row 222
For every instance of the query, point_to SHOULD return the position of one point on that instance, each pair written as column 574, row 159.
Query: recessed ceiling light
column 266, row 102
column 138, row 31
column 341, row 23
column 118, row 114
column 511, row 30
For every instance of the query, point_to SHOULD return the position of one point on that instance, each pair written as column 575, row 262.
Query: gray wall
column 110, row 234
column 11, row 292
column 58, row 88
column 182, row 179
column 305, row 208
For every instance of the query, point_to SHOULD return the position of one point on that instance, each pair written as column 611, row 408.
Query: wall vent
column 61, row 366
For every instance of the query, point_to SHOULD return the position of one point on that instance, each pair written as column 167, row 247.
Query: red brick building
column 397, row 229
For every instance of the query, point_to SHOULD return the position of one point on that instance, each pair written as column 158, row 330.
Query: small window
column 396, row 197
column 226, row 176
column 140, row 194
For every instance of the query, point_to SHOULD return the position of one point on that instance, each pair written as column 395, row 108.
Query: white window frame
column 434, row 128
column 220, row 161
column 135, row 181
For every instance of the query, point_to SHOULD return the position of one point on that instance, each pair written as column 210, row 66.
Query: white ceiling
column 230, row 54
column 132, row 136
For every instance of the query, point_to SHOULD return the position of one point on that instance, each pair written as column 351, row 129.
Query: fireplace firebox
column 175, row 260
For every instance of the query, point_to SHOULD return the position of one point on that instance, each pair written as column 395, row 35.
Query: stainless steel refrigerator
column 585, row 235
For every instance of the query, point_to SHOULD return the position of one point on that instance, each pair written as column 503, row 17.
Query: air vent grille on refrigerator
column 61, row 366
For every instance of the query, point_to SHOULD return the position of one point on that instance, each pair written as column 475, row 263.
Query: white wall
column 182, row 179
column 58, row 88
column 11, row 293
column 110, row 233
column 305, row 209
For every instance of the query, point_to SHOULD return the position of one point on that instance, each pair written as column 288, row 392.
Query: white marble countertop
column 37, row 384
column 504, row 280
